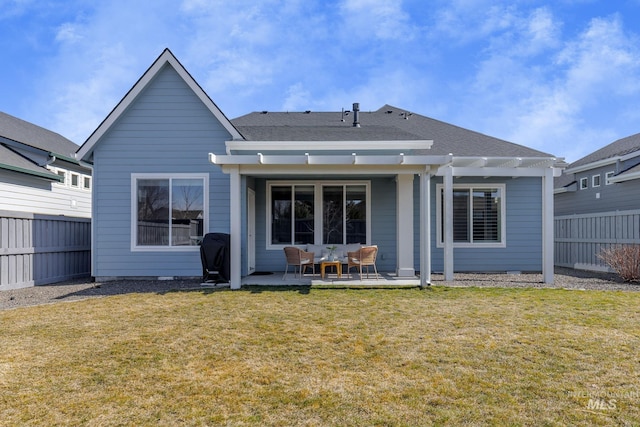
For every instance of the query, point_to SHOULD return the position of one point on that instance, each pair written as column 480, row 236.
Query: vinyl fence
column 580, row 238
column 40, row 249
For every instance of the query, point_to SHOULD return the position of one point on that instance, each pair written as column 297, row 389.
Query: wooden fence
column 40, row 249
column 580, row 238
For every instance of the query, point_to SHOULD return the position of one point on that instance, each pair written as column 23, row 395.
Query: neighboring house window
column 584, row 183
column 478, row 215
column 595, row 181
column 169, row 211
column 608, row 176
column 86, row 182
column 75, row 180
column 63, row 175
column 317, row 213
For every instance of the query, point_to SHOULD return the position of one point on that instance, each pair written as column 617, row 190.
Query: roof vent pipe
column 356, row 110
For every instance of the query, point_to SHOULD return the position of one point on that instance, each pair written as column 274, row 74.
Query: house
column 169, row 166
column 39, row 173
column 597, row 204
column 45, row 207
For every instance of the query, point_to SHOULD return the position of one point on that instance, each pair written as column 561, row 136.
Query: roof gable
column 84, row 153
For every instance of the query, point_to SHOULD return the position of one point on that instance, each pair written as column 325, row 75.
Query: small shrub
column 624, row 260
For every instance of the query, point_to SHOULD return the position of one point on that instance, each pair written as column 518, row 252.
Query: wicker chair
column 298, row 258
column 364, row 257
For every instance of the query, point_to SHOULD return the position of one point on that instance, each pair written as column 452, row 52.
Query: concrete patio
column 330, row 280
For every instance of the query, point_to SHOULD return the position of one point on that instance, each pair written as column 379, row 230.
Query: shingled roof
column 35, row 136
column 16, row 133
column 617, row 148
column 388, row 123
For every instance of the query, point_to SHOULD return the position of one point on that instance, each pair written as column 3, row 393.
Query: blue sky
column 562, row 77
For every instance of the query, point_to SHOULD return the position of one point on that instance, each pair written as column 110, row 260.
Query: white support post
column 547, row 226
column 236, row 227
column 404, row 225
column 425, row 228
column 448, row 223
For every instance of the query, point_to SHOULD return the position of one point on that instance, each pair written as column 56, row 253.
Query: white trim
column 440, row 241
column 235, row 206
column 584, row 180
column 261, row 146
column 547, row 228
column 625, row 177
column 317, row 206
column 603, row 162
column 134, row 204
column 608, row 176
column 165, row 58
column 76, row 176
column 351, row 159
column 404, row 226
column 425, row 228
column 593, row 180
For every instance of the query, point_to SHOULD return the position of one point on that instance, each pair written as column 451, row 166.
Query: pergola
column 405, row 160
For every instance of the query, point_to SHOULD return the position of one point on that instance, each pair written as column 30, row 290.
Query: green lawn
column 297, row 356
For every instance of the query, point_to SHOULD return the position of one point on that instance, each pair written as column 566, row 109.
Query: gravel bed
column 565, row 278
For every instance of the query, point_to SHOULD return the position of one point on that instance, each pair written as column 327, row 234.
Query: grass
column 456, row 356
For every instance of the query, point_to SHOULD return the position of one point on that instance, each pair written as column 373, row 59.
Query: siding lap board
column 166, row 129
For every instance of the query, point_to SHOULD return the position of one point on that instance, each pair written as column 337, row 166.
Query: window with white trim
column 168, row 211
column 607, row 177
column 584, row 183
column 62, row 174
column 479, row 213
column 75, row 180
column 595, row 181
column 86, row 182
column 307, row 212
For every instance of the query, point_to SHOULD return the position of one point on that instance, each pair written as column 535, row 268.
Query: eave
column 236, row 147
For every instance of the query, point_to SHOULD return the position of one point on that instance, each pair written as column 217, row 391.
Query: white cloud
column 68, row 32
column 380, row 19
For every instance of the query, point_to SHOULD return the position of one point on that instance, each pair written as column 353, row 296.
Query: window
column 595, row 181
column 168, row 211
column 63, row 175
column 306, row 212
column 478, row 215
column 75, row 180
column 607, row 177
column 584, row 183
column 86, row 182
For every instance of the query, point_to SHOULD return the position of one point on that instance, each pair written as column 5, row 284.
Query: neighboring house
column 45, row 206
column 597, row 204
column 169, row 167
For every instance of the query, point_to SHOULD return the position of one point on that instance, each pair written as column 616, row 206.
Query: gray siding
column 523, row 251
column 620, row 196
column 41, row 249
column 166, row 129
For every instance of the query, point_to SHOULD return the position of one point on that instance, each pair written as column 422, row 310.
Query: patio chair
column 298, row 258
column 364, row 257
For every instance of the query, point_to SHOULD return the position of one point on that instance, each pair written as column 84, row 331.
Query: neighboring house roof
column 17, row 134
column 10, row 160
column 166, row 57
column 620, row 148
column 386, row 123
column 26, row 133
